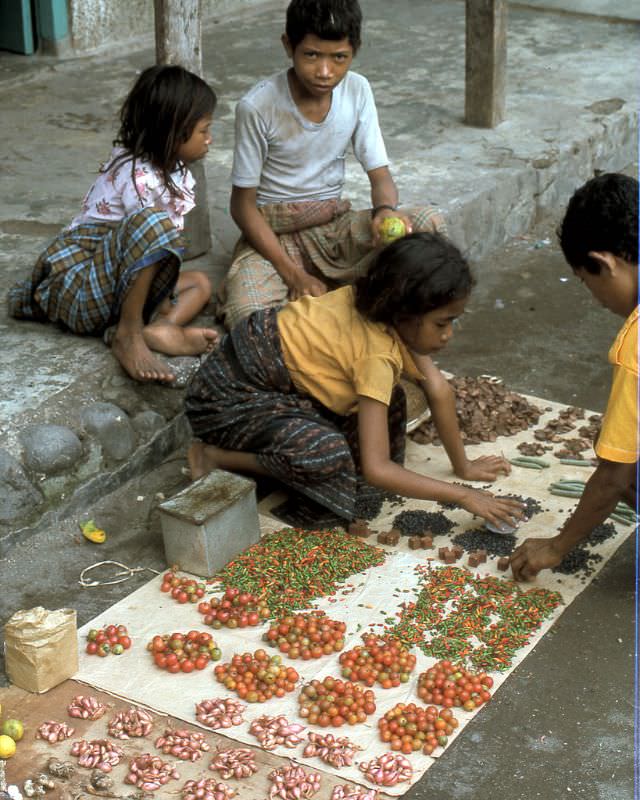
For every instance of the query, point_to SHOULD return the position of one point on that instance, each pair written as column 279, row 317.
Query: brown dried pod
column 485, row 411
column 393, row 537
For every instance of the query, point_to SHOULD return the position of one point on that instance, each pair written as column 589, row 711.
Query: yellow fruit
column 7, row 746
column 91, row 532
column 391, row 228
column 13, row 728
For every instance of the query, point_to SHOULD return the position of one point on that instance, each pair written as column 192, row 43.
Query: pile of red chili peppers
column 291, row 567
column 484, row 620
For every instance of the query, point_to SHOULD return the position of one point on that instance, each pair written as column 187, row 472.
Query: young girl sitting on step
column 309, row 394
column 118, row 262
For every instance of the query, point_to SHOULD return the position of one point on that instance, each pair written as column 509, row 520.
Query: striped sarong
column 326, row 238
column 242, row 398
column 83, row 276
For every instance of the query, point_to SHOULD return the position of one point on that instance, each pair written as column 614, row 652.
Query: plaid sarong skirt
column 83, row 276
column 242, row 398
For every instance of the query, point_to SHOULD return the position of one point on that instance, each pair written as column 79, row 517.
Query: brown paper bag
column 41, row 648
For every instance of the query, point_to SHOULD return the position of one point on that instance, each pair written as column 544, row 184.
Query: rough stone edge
column 146, row 457
column 482, row 222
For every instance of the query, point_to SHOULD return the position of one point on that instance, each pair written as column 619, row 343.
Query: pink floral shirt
column 116, row 193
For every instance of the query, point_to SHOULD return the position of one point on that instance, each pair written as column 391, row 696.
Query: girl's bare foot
column 202, row 459
column 131, row 350
column 174, row 340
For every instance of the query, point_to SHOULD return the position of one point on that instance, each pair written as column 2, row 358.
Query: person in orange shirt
column 599, row 239
column 310, row 394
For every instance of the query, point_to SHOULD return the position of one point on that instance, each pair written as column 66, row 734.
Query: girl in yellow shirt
column 309, row 394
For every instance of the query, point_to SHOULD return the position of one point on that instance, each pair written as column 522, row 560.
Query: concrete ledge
column 86, row 493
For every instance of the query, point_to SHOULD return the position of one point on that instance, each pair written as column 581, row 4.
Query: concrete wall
column 110, row 24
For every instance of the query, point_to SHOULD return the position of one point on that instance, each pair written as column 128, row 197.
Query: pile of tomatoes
column 333, row 702
column 183, row 589
column 307, row 635
column 257, row 677
column 447, row 684
column 112, row 639
column 409, row 728
column 379, row 659
column 235, row 609
column 184, row 652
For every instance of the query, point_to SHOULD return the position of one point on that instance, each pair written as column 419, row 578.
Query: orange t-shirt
column 334, row 354
column 618, row 439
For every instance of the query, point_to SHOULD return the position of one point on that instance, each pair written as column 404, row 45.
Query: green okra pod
column 525, row 464
column 565, row 492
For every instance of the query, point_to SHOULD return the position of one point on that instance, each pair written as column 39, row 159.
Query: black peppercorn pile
column 417, row 523
column 579, row 560
column 496, row 544
column 600, row 534
column 369, row 504
column 531, row 505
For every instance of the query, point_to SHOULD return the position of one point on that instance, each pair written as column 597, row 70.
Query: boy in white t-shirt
column 293, row 132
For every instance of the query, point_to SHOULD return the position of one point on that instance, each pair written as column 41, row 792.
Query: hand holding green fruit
column 391, row 228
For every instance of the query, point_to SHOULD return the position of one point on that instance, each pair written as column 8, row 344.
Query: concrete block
column 207, row 524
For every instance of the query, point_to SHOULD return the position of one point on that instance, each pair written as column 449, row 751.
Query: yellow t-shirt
column 618, row 440
column 334, row 354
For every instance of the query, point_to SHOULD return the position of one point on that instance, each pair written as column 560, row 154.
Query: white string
column 119, row 577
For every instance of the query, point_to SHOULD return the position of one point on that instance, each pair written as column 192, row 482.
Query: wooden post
column 486, row 62
column 179, row 41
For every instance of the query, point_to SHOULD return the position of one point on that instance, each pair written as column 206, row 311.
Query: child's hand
column 534, row 555
column 485, row 468
column 301, row 284
column 496, row 510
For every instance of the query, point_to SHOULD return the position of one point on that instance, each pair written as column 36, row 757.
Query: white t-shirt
column 116, row 193
column 288, row 157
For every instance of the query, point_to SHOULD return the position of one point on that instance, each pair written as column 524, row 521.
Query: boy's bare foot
column 174, row 340
column 137, row 360
column 202, row 459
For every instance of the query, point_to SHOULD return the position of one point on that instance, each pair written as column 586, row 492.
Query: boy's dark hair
column 160, row 113
column 326, row 19
column 412, row 276
column 602, row 216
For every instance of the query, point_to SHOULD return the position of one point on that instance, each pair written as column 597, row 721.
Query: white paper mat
column 369, row 598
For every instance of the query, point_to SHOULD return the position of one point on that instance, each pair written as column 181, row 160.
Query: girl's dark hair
column 159, row 114
column 326, row 19
column 412, row 276
column 602, row 216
